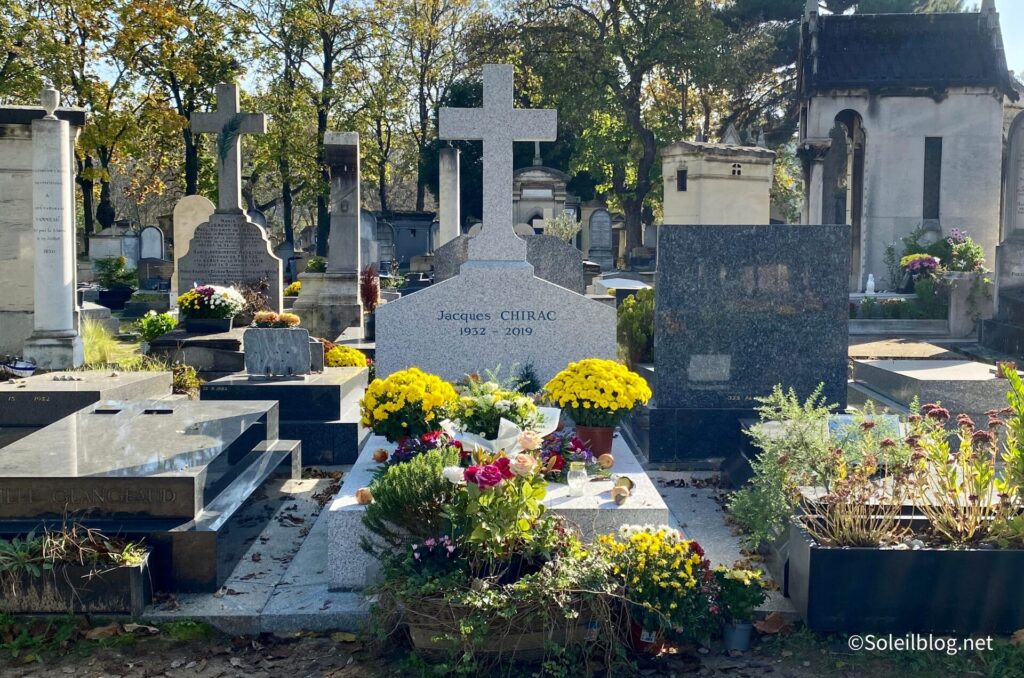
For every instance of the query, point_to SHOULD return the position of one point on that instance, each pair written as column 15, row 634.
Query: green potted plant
column 153, row 325
column 740, row 591
column 117, row 282
column 207, row 309
column 369, row 294
column 597, row 394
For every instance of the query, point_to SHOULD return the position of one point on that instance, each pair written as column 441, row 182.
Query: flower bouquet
column 210, row 308
column 414, row 446
column 740, row 592
column 406, row 403
column 919, row 265
column 491, row 418
column 561, row 448
column 272, row 320
column 597, row 394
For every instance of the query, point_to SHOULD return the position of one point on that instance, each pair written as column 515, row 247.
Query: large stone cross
column 229, row 124
column 498, row 124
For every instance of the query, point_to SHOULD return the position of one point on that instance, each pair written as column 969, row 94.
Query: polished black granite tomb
column 321, row 410
column 191, row 478
column 739, row 309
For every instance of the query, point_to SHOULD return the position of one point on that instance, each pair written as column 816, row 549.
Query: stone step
column 960, row 385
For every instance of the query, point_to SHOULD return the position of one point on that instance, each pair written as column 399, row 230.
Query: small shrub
column 564, row 226
column 316, row 265
column 185, row 381
column 635, row 326
column 113, row 272
column 153, row 325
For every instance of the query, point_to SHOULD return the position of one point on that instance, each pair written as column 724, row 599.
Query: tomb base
column 58, row 350
column 329, row 303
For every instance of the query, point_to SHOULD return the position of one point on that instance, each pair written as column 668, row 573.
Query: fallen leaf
column 773, row 624
column 343, row 637
column 108, row 631
column 133, row 628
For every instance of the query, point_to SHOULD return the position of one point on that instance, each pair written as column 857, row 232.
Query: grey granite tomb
column 190, row 478
column 277, row 352
column 739, row 309
column 496, row 311
column 552, row 259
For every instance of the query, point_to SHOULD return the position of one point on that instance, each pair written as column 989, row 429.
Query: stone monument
column 739, row 309
column 448, row 211
column 329, row 302
column 552, row 259
column 495, row 312
column 54, row 343
column 189, row 212
column 151, row 243
column 600, row 251
column 229, row 248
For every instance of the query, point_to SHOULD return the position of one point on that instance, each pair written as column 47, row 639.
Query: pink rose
column 504, row 465
column 530, row 440
column 471, row 473
column 523, row 465
column 489, row 476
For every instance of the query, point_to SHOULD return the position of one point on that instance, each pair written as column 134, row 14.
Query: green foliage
column 185, row 380
column 409, row 498
column 153, row 325
column 793, row 439
column 101, row 349
column 113, row 272
column 526, row 380
column 635, row 326
column 187, row 630
column 740, row 592
column 29, row 639
column 892, row 266
column 316, row 265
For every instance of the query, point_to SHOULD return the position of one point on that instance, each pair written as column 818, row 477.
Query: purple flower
column 489, row 476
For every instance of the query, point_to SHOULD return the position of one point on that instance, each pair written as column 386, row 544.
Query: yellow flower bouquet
column 407, row 403
column 344, row 356
column 598, row 392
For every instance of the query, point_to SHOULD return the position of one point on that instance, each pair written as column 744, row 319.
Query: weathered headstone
column 495, row 312
column 55, row 343
column 229, row 248
column 600, row 250
column 17, row 238
column 151, row 243
column 448, row 212
column 739, row 309
column 329, row 302
column 552, row 259
column 189, row 212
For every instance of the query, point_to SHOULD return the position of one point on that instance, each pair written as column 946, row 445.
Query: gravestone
column 189, row 212
column 229, row 249
column 17, row 237
column 600, row 251
column 54, row 343
column 151, row 243
column 329, row 302
column 448, row 208
column 369, row 251
column 496, row 311
column 188, row 477
column 739, row 309
column 553, row 260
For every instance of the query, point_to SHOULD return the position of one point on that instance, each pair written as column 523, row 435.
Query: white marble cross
column 498, row 124
column 229, row 124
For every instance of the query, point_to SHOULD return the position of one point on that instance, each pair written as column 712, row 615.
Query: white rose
column 454, row 474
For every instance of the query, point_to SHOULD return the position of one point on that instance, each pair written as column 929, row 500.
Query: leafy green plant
column 101, row 348
column 409, row 498
column 185, row 380
column 113, row 272
column 740, row 592
column 316, row 265
column 526, row 380
column 153, row 325
column 635, row 326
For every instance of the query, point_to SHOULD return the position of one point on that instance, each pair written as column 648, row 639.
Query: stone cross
column 229, row 124
column 497, row 124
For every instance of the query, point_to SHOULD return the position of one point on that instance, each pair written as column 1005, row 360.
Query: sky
column 1011, row 18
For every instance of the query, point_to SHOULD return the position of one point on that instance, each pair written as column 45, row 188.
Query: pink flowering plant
column 560, row 449
column 920, row 265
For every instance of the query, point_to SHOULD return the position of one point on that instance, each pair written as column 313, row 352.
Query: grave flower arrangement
column 920, row 265
column 406, row 403
column 561, row 448
column 272, row 320
column 740, row 592
column 665, row 578
column 483, row 404
column 211, row 301
column 413, row 446
column 345, row 356
column 293, row 289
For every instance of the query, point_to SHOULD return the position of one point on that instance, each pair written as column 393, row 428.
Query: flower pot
column 736, row 636
column 115, row 298
column 370, row 327
column 645, row 641
column 207, row 325
column 598, row 438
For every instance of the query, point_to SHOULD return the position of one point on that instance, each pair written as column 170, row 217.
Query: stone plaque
column 151, row 243
column 601, row 239
column 226, row 250
column 742, row 308
column 490, row 316
column 273, row 352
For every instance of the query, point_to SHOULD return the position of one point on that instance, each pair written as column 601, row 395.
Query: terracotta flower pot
column 598, row 438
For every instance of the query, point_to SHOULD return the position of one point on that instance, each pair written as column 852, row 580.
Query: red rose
column 504, row 465
column 556, row 462
column 488, row 477
column 470, row 474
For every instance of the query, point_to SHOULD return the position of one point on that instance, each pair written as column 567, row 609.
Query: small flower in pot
column 740, row 592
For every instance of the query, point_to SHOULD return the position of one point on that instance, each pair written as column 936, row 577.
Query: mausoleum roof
column 886, row 52
column 709, row 148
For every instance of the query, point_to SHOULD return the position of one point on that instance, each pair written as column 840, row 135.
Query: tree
column 19, row 75
column 183, row 49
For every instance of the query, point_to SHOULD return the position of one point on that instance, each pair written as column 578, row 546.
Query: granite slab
column 277, row 351
column 41, row 399
column 960, row 385
column 491, row 315
column 310, row 397
column 594, row 513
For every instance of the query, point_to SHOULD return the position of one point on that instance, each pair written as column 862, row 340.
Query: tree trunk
column 191, row 162
column 286, row 204
column 424, row 122
column 105, row 209
column 87, row 187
